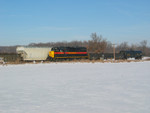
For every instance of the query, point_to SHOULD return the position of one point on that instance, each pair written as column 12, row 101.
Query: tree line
column 97, row 44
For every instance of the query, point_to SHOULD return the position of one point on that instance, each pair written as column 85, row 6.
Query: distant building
column 33, row 53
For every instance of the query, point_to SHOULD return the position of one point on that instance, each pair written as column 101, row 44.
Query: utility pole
column 114, row 51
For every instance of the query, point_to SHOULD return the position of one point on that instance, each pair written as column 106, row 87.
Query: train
column 25, row 54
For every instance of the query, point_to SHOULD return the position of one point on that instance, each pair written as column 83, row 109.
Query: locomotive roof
column 68, row 47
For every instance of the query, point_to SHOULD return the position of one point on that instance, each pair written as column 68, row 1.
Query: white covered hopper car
column 33, row 53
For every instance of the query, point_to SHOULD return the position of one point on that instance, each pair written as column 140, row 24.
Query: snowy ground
column 75, row 88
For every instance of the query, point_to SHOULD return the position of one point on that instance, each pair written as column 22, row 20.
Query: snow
column 146, row 58
column 75, row 88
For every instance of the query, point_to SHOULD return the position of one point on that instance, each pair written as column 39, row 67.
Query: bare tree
column 109, row 48
column 143, row 43
column 122, row 47
column 144, row 48
column 97, row 44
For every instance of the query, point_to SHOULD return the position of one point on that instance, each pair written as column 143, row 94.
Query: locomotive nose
column 51, row 54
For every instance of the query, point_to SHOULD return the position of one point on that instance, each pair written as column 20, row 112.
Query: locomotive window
column 56, row 49
column 52, row 49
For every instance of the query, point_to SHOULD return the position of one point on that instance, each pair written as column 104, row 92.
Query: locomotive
column 59, row 53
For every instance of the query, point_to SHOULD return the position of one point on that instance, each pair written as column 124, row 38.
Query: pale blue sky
column 26, row 21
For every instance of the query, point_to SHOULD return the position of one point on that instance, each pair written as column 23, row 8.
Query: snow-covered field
column 75, row 88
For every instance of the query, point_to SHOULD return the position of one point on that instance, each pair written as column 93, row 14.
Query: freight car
column 59, row 53
column 97, row 56
column 131, row 54
column 33, row 53
column 120, row 55
column 10, row 57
